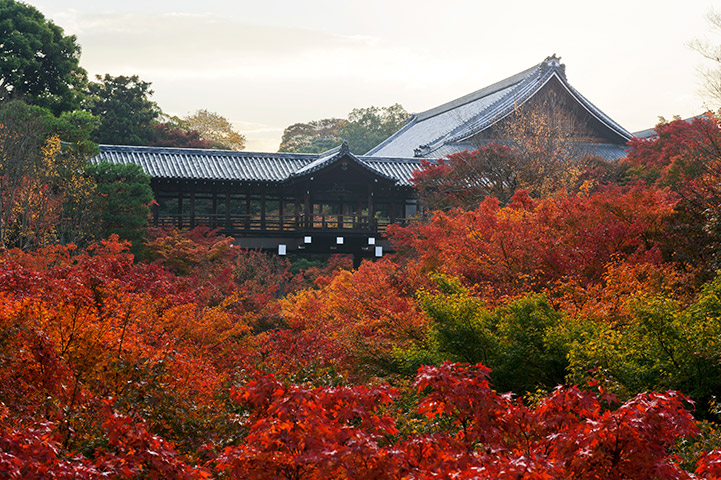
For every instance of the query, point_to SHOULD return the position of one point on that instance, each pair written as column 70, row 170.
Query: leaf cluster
column 38, row 61
column 363, row 129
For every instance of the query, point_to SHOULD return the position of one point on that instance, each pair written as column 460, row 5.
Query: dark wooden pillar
column 392, row 211
column 281, row 219
column 180, row 210
column 262, row 210
column 192, row 209
column 155, row 209
column 228, row 225
column 306, row 209
column 213, row 221
column 247, row 209
column 357, row 258
column 371, row 209
column 340, row 212
column 297, row 211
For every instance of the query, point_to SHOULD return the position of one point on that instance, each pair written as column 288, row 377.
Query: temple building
column 340, row 202
column 485, row 115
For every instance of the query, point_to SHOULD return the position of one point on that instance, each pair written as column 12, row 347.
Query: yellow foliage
column 216, row 129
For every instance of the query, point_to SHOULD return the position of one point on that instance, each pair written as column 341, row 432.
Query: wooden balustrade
column 277, row 223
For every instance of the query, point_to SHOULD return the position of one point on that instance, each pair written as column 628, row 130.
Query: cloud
column 199, row 45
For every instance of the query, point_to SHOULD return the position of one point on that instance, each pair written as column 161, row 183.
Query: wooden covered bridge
column 334, row 202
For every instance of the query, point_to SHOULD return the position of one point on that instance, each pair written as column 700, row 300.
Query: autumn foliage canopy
column 569, row 335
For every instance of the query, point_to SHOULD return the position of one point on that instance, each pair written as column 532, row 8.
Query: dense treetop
column 363, row 129
column 37, row 60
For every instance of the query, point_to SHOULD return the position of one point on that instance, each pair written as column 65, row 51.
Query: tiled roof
column 225, row 165
column 430, row 133
column 334, row 155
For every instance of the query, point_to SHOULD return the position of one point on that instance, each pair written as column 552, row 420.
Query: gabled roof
column 226, row 165
column 430, row 133
column 335, row 155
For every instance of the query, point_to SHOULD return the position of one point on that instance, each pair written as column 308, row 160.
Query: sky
column 265, row 65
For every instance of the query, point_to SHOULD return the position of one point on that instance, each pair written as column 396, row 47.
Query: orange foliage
column 95, row 325
column 369, row 311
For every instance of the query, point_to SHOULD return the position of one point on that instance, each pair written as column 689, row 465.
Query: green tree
column 364, row 129
column 661, row 345
column 37, row 61
column 214, row 129
column 524, row 343
column 123, row 197
column 367, row 127
column 315, row 136
column 124, row 108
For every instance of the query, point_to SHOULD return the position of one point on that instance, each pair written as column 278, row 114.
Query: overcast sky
column 267, row 64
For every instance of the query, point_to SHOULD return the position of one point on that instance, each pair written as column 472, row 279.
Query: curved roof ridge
column 599, row 114
column 478, row 94
column 502, row 107
column 496, row 102
column 500, row 110
column 497, row 110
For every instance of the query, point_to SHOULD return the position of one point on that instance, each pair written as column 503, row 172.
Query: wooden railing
column 277, row 223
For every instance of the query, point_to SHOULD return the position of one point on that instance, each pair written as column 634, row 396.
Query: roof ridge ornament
column 554, row 63
column 422, row 150
column 344, row 149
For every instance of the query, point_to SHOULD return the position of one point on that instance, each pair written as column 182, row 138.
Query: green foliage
column 662, row 345
column 525, row 343
column 37, row 61
column 123, row 196
column 533, row 350
column 363, row 129
column 124, row 108
column 367, row 127
column 74, row 129
column 462, row 329
column 315, row 136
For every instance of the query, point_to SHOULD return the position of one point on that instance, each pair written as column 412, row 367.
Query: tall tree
column 124, row 108
column 215, row 129
column 313, row 137
column 540, row 148
column 364, row 129
column 169, row 134
column 685, row 156
column 123, row 200
column 37, row 61
column 367, row 127
column 549, row 141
